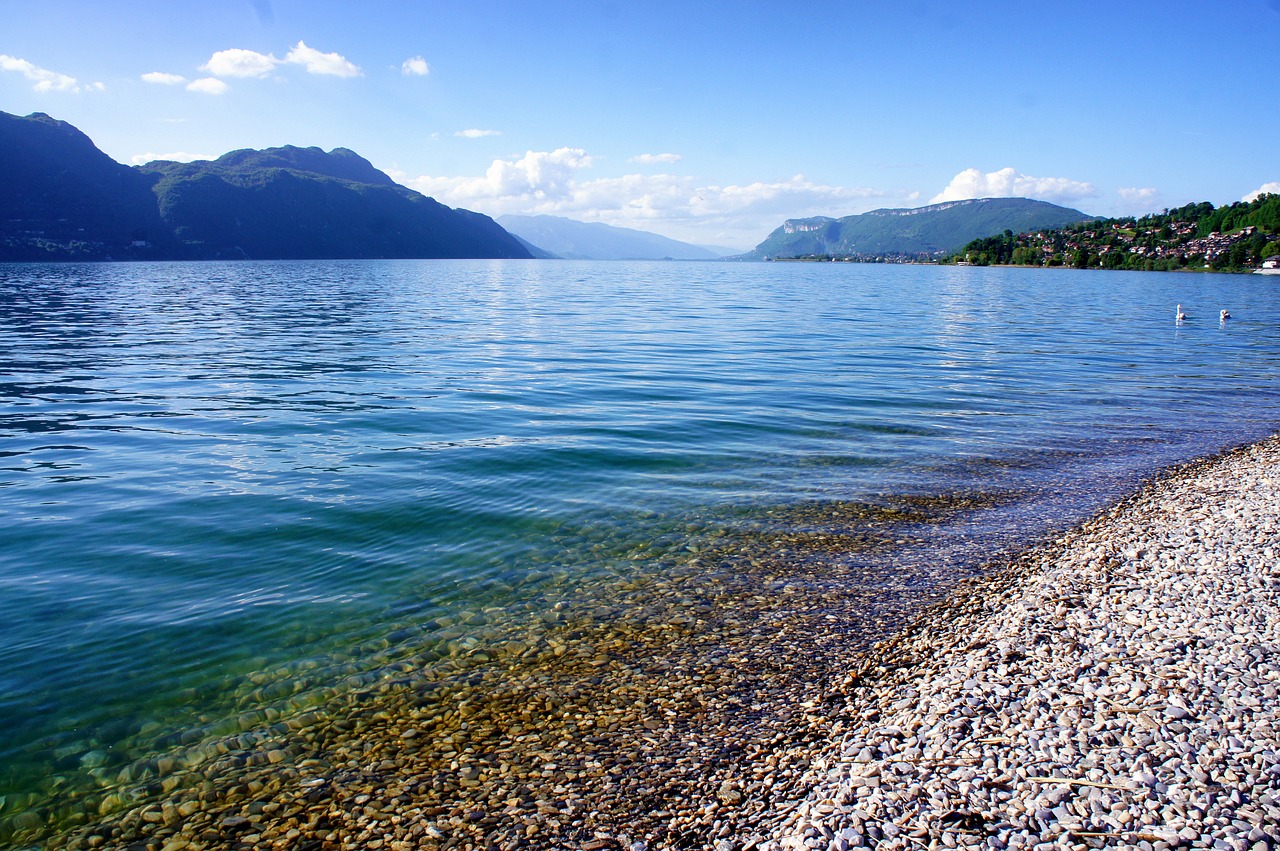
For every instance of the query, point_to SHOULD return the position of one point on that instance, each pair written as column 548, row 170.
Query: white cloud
column 1139, row 200
column 315, row 62
column 207, row 86
column 415, row 67
column 237, row 62
column 477, row 134
column 1008, row 183
column 240, row 63
column 1272, row 188
column 550, row 182
column 176, row 156
column 44, row 79
column 163, row 79
column 539, row 175
column 655, row 159
column 1137, row 195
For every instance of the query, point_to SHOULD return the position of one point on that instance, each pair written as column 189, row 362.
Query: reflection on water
column 231, row 490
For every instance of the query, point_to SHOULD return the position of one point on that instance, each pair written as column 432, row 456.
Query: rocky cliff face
column 805, row 225
column 929, row 231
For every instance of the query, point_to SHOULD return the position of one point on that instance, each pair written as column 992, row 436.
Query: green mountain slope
column 294, row 203
column 934, row 230
column 63, row 199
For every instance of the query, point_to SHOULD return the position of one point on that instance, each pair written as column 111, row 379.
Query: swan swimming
column 1224, row 316
column 1181, row 315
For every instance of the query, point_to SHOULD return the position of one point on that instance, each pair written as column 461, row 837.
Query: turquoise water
column 209, row 472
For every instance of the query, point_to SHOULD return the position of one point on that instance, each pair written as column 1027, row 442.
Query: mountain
column 721, row 250
column 575, row 240
column 63, row 199
column 538, row 253
column 296, row 203
column 935, row 230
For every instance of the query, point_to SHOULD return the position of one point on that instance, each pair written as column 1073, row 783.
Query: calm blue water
column 208, row 471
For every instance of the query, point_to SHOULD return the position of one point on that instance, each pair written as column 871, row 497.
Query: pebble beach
column 1113, row 687
column 1117, row 688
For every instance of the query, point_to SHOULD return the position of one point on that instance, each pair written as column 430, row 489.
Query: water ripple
column 210, row 469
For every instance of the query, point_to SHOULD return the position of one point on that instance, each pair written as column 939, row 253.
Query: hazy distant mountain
column 538, row 253
column 933, row 230
column 721, row 250
column 62, row 198
column 575, row 240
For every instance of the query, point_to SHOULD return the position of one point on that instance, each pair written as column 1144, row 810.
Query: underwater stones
column 706, row 708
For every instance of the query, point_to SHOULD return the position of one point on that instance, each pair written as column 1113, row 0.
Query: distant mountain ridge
column 574, row 240
column 934, row 230
column 63, row 199
column 340, row 163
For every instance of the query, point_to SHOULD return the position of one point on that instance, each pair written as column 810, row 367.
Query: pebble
column 1110, row 689
column 1115, row 686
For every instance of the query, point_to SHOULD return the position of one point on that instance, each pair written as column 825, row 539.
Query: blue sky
column 707, row 122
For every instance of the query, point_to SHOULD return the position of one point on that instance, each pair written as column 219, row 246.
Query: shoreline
column 718, row 731
column 1117, row 687
column 541, row 729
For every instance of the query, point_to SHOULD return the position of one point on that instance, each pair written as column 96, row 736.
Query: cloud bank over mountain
column 559, row 183
column 1009, row 183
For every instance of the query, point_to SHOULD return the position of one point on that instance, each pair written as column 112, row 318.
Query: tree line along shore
column 1239, row 237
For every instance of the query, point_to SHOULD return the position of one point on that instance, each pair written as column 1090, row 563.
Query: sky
column 707, row 122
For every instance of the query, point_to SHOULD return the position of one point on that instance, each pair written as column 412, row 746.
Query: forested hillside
column 63, row 199
column 1236, row 237
column 916, row 233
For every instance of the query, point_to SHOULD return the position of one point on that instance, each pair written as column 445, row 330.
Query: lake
column 232, row 491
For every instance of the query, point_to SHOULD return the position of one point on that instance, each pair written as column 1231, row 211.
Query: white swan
column 1181, row 315
column 1223, row 316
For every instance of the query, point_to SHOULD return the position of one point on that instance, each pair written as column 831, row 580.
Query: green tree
column 1025, row 255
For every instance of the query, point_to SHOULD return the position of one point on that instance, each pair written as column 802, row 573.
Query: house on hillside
column 1216, row 244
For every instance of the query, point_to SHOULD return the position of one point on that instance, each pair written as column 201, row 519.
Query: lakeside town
column 1239, row 237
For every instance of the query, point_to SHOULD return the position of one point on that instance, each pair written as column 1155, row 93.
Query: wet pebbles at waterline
column 661, row 717
column 1118, row 689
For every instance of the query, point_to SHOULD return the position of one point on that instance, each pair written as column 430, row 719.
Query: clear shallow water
column 208, row 471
